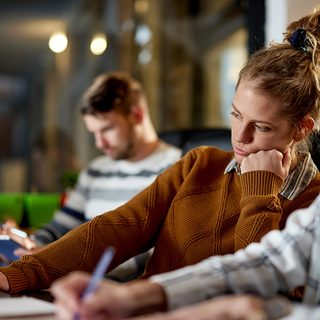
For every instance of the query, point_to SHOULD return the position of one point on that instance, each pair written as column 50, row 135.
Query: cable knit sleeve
column 131, row 229
column 260, row 205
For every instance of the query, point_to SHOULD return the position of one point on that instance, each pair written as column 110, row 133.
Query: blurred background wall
column 186, row 53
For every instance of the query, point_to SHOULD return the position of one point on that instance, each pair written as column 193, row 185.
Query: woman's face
column 256, row 124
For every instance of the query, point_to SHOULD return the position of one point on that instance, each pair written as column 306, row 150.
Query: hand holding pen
column 78, row 288
column 98, row 273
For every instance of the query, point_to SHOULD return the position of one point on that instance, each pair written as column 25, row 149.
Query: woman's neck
column 295, row 155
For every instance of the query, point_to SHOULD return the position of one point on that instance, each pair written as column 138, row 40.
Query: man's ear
column 137, row 113
column 305, row 127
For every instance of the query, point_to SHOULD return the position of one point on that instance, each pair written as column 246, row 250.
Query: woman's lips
column 240, row 152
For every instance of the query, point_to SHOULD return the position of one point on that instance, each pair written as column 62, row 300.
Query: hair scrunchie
column 299, row 40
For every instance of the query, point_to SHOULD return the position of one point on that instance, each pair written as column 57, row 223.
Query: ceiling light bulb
column 98, row 44
column 58, row 42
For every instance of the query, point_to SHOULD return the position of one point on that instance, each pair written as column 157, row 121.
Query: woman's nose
column 244, row 134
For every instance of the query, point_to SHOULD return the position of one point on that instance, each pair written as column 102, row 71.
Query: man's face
column 114, row 134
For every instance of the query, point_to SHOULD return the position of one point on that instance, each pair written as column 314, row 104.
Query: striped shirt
column 104, row 185
column 282, row 261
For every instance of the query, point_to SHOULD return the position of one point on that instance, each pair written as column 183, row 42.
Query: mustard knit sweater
column 192, row 211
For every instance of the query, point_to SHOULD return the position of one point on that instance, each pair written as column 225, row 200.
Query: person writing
column 210, row 202
column 115, row 111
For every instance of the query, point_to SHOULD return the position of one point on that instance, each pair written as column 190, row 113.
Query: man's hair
column 116, row 91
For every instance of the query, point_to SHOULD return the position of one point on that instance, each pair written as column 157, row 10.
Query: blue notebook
column 7, row 246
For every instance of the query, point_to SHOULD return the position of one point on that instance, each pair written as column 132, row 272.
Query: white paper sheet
column 24, row 306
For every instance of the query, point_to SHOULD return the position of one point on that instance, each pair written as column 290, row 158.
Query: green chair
column 40, row 208
column 11, row 206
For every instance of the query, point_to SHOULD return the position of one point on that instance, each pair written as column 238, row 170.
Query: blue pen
column 97, row 275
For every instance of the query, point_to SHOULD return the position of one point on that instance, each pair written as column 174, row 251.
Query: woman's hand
column 270, row 160
column 230, row 307
column 111, row 300
column 4, row 284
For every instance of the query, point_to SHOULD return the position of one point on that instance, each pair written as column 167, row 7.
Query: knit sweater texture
column 191, row 212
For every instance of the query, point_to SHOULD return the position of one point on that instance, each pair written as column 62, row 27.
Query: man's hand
column 21, row 251
column 11, row 229
column 271, row 160
column 5, row 227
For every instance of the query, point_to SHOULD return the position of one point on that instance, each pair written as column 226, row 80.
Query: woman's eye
column 261, row 128
column 234, row 114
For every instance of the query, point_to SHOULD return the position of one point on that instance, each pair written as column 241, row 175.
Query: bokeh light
column 58, row 42
column 98, row 44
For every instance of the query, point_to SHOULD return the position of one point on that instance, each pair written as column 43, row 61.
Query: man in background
column 115, row 111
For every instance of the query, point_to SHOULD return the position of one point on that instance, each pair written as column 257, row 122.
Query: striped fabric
column 296, row 181
column 281, row 261
column 105, row 185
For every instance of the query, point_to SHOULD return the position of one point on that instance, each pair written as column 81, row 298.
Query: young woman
column 210, row 202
